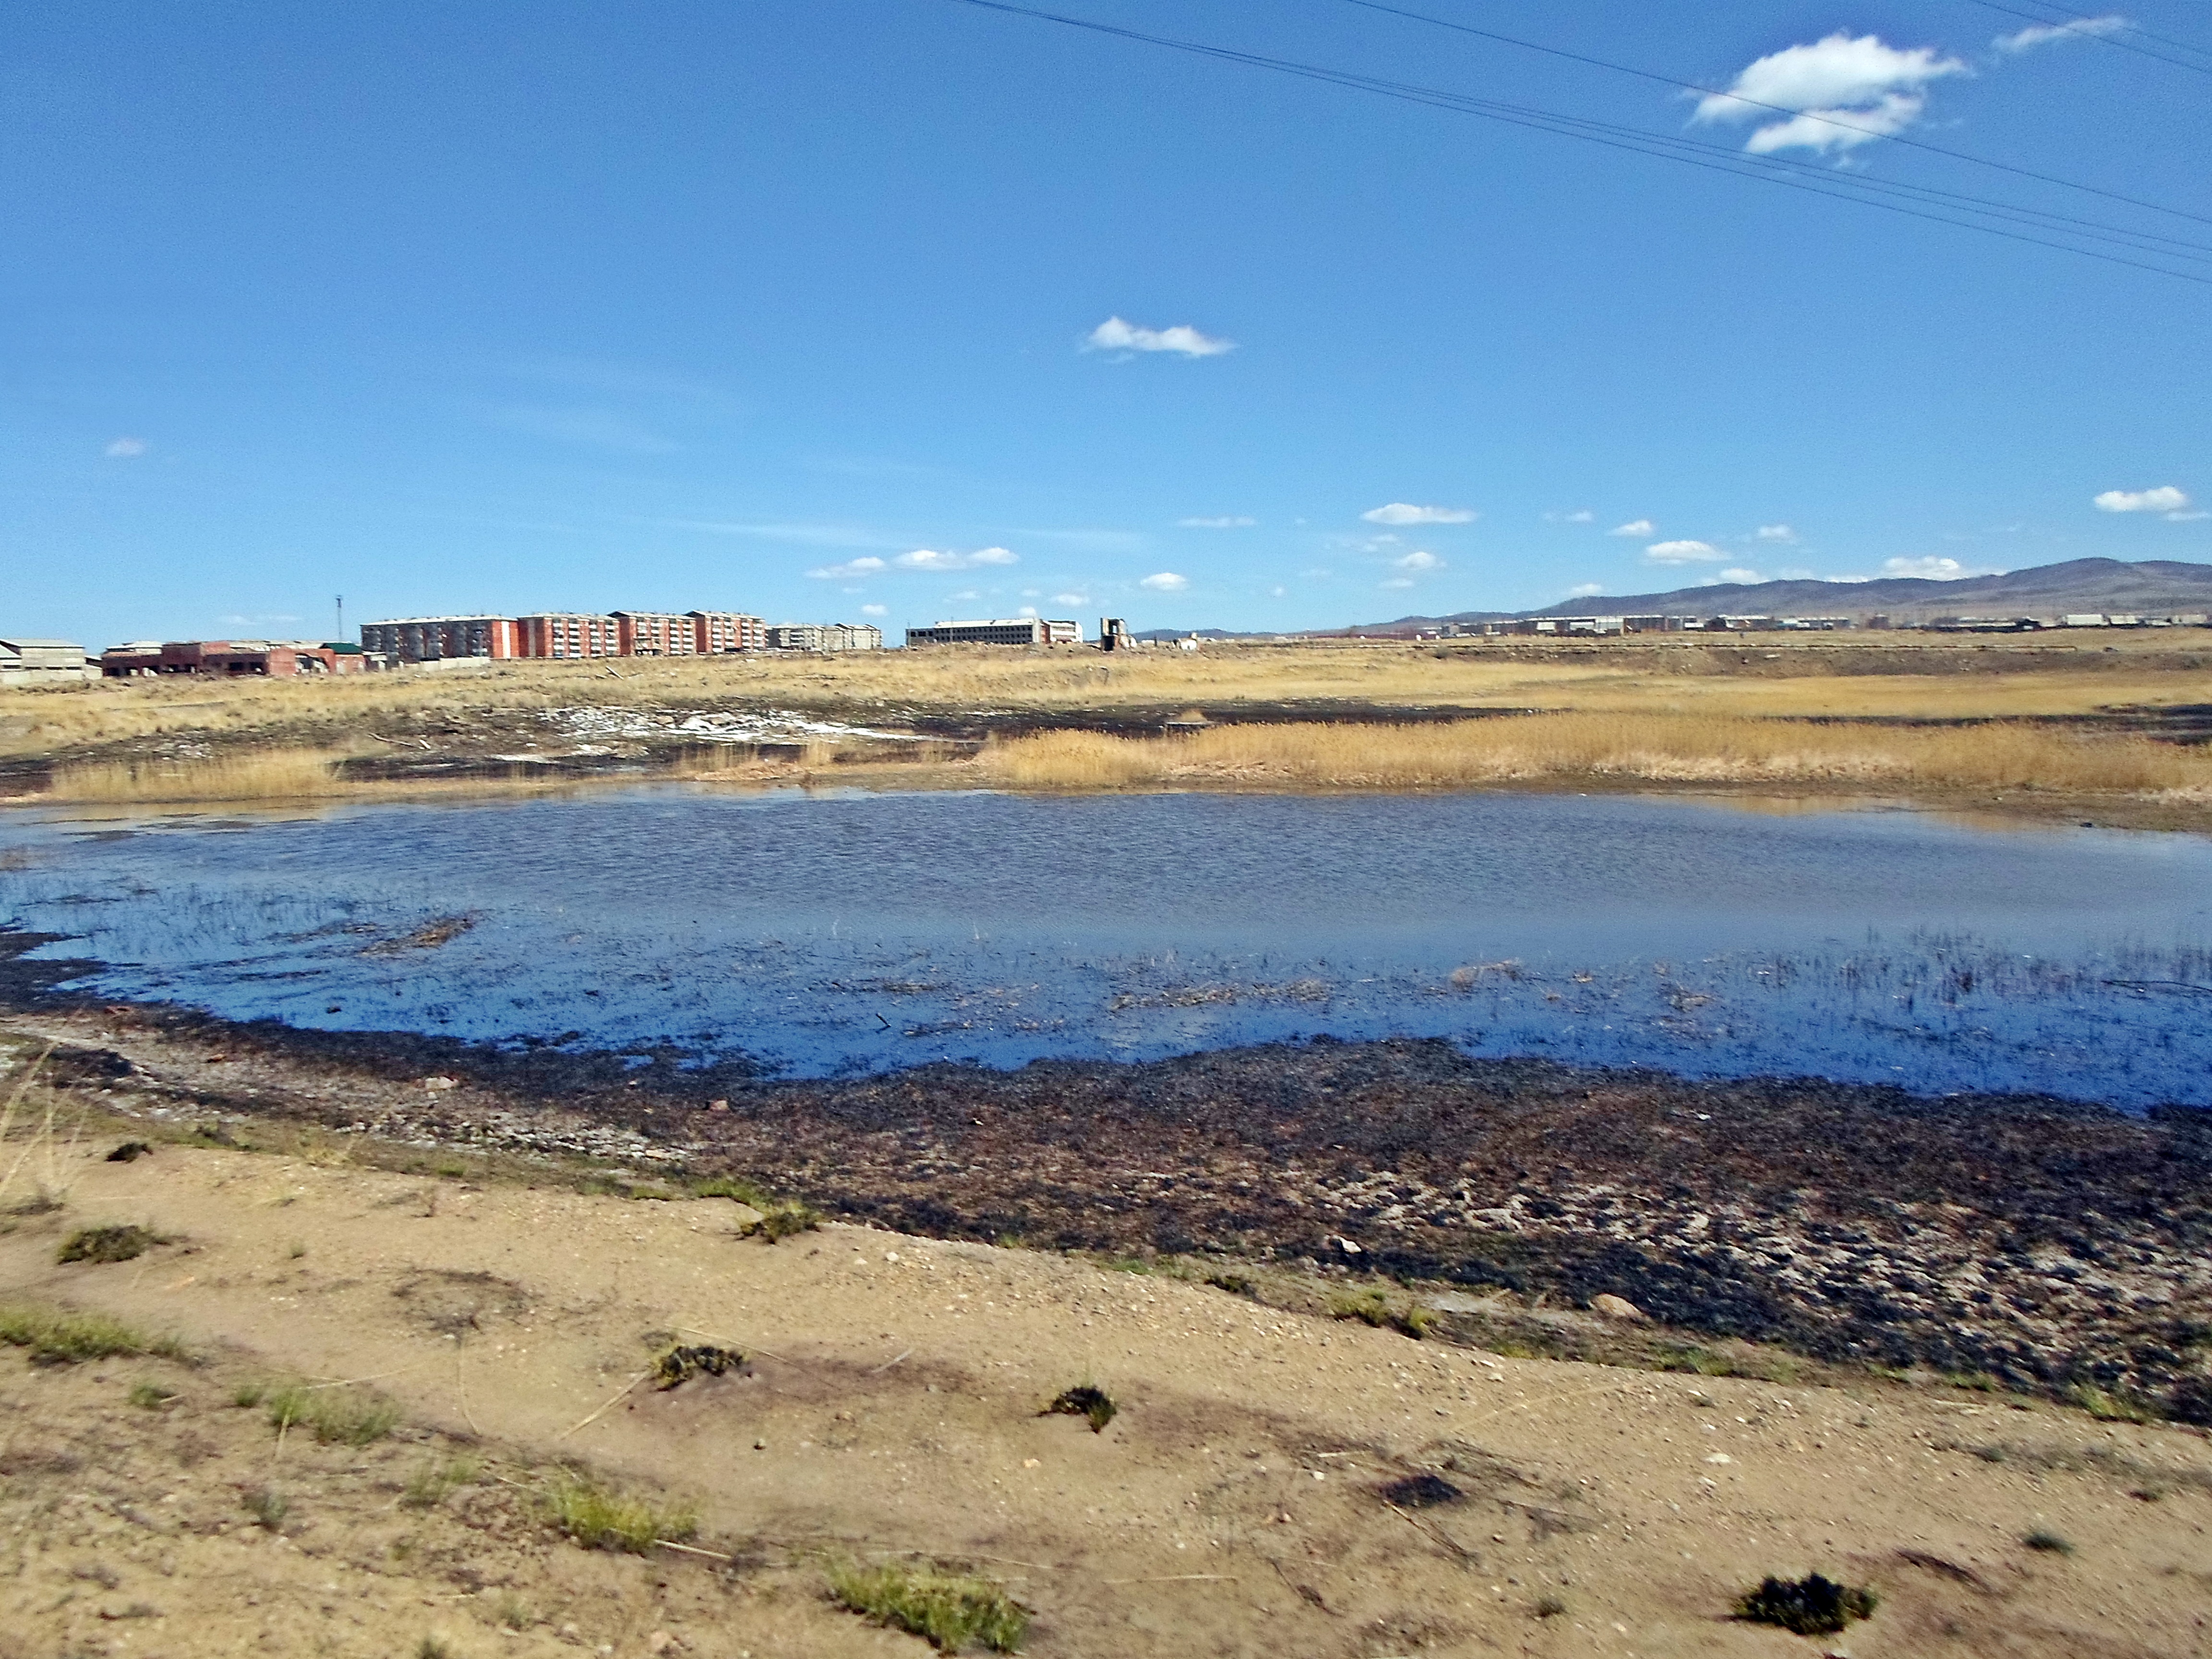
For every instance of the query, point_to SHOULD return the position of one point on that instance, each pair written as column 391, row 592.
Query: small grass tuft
column 1242, row 1284
column 1375, row 1308
column 57, row 1337
column 248, row 1396
column 600, row 1518
column 2049, row 1542
column 130, row 1152
column 267, row 1506
column 427, row 1487
column 2108, row 1407
column 151, row 1396
column 106, row 1244
column 678, row 1365
column 434, row 1647
column 781, row 1218
column 949, row 1610
column 341, row 1416
column 1549, row 1607
column 1086, row 1400
column 1811, row 1606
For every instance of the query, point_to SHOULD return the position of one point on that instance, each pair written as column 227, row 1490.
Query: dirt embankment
column 2039, row 1245
column 390, row 1388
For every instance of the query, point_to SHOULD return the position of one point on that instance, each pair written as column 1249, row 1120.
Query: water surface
column 827, row 933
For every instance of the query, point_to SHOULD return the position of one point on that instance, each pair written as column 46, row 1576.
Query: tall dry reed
column 1656, row 748
column 263, row 775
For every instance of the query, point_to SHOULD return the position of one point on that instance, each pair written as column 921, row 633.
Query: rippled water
column 849, row 931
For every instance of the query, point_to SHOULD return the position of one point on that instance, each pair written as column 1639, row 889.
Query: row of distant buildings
column 1611, row 625
column 570, row 635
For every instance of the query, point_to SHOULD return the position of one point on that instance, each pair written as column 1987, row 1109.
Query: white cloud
column 1277, row 592
column 1775, row 533
column 2165, row 499
column 1417, row 561
column 923, row 558
column 1683, row 553
column 1847, row 91
column 1115, row 335
column 124, row 449
column 1027, row 610
column 1737, row 573
column 1584, row 516
column 1165, row 581
column 1633, row 527
column 1583, row 590
column 1398, row 582
column 2187, row 518
column 1932, row 569
column 873, row 610
column 865, row 566
column 2038, row 34
column 1070, row 599
column 1215, row 523
column 1407, row 512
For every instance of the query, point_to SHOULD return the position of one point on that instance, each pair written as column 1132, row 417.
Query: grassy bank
column 1659, row 748
column 1903, row 678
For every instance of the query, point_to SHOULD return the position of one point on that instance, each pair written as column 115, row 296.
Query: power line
column 2074, row 24
column 1939, row 206
column 1783, row 109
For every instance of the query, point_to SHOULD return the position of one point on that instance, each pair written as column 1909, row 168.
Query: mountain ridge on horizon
column 2072, row 586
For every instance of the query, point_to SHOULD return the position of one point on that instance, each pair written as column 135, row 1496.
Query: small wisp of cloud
column 851, row 570
column 1931, row 568
column 125, row 449
column 2166, row 501
column 1407, row 512
column 1225, row 523
column 1419, row 561
column 2042, row 35
column 1117, row 334
column 924, row 558
column 1775, row 533
column 1840, row 93
column 1684, row 552
column 1638, row 527
column 1165, row 581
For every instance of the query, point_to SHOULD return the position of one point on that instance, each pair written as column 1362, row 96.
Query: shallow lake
column 835, row 932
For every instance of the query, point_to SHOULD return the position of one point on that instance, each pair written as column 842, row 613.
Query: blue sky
column 907, row 309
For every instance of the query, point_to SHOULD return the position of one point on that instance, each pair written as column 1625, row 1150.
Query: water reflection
column 849, row 932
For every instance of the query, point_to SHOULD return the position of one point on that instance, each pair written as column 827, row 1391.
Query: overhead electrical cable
column 1780, row 109
column 1942, row 207
column 2075, row 24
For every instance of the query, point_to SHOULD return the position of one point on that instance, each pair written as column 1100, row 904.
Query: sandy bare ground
column 1236, row 1506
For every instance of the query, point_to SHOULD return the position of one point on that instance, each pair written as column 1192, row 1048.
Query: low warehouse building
column 25, row 661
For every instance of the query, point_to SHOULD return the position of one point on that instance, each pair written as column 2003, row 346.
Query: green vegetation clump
column 268, row 1507
column 107, row 1244
column 335, row 1416
column 600, row 1518
column 427, row 1487
column 57, row 1337
column 783, row 1217
column 2049, row 1542
column 1811, row 1606
column 948, row 1610
column 1377, row 1309
column 150, row 1396
column 2109, row 1407
column 1086, row 1400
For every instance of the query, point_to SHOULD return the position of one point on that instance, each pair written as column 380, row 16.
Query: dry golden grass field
column 2074, row 718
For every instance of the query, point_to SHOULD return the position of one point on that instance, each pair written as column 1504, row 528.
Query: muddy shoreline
column 2040, row 1244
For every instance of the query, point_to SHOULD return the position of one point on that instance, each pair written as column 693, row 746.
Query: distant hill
column 2156, row 586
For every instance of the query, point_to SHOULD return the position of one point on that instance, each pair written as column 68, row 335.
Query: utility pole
column 341, row 618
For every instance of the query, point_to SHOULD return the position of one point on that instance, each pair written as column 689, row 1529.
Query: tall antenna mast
column 341, row 617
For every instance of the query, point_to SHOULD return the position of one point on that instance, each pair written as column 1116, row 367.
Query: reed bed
column 261, row 775
column 1693, row 749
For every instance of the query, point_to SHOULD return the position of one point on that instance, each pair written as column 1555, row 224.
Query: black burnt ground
column 2037, row 1242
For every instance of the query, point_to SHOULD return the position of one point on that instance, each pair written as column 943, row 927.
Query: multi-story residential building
column 795, row 636
column 1019, row 631
column 656, row 633
column 563, row 634
column 718, row 633
column 441, row 639
column 25, row 661
column 852, row 637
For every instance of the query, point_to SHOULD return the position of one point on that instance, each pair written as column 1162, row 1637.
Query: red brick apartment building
column 656, row 633
column 569, row 635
